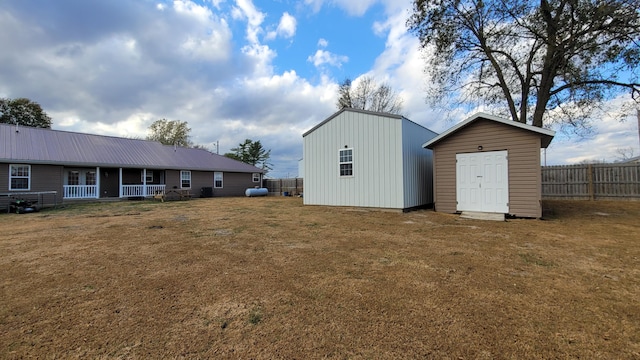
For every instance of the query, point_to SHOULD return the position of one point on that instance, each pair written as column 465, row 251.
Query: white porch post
column 120, row 182
column 97, row 182
column 144, row 182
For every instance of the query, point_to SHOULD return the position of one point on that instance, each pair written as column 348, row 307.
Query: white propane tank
column 256, row 192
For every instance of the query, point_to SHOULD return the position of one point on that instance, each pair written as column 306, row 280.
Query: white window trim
column 340, row 163
column 181, row 178
column 149, row 176
column 255, row 176
column 20, row 177
column 215, row 174
column 77, row 173
column 86, row 178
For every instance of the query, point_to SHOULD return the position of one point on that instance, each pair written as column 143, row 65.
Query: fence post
column 590, row 178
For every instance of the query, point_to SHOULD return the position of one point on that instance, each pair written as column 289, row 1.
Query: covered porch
column 96, row 183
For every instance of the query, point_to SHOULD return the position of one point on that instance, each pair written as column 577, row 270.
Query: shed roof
column 337, row 113
column 545, row 134
column 46, row 146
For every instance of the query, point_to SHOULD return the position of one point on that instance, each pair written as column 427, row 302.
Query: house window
column 73, row 178
column 185, row 179
column 256, row 177
column 217, row 180
column 19, row 177
column 346, row 162
column 91, row 178
column 149, row 176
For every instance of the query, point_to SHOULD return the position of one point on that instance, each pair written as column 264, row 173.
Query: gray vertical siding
column 387, row 162
column 377, row 162
column 417, row 165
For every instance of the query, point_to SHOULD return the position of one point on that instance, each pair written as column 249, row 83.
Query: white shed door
column 482, row 182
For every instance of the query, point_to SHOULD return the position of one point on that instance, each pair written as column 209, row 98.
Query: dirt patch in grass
column 270, row 278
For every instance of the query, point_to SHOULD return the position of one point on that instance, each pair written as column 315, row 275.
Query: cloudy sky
column 233, row 69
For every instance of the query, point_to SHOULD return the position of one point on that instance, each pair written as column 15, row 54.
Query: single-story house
column 489, row 164
column 85, row 166
column 367, row 159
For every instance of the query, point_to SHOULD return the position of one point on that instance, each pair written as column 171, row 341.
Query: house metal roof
column 45, row 146
column 545, row 134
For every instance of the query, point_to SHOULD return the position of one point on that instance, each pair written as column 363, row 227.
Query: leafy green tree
column 170, row 132
column 541, row 61
column 251, row 152
column 368, row 95
column 23, row 111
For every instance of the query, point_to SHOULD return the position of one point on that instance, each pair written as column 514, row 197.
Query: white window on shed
column 185, row 179
column 217, row 180
column 19, row 177
column 256, row 177
column 346, row 162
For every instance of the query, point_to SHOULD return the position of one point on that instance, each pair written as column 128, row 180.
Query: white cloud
column 194, row 11
column 353, row 8
column 323, row 43
column 286, row 28
column 322, row 57
column 246, row 10
column 215, row 47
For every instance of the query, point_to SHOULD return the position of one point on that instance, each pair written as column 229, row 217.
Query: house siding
column 523, row 164
column 43, row 178
column 234, row 184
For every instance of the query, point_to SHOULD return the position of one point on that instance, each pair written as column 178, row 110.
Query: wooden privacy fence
column 285, row 187
column 591, row 181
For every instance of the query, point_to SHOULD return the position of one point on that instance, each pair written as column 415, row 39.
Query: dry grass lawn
column 266, row 278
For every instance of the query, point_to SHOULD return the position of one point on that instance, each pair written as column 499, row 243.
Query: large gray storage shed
column 367, row 159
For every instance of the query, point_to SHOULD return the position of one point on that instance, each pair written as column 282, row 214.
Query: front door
column 109, row 182
column 482, row 182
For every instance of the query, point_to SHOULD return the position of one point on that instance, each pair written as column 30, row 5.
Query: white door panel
column 482, row 182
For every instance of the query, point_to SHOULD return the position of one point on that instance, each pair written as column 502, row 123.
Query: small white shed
column 368, row 159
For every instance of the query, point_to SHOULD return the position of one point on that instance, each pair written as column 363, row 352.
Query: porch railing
column 80, row 191
column 138, row 190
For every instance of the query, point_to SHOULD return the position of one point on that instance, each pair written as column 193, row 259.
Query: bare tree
column 368, row 95
column 539, row 60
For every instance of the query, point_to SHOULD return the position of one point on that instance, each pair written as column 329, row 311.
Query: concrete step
column 482, row 215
